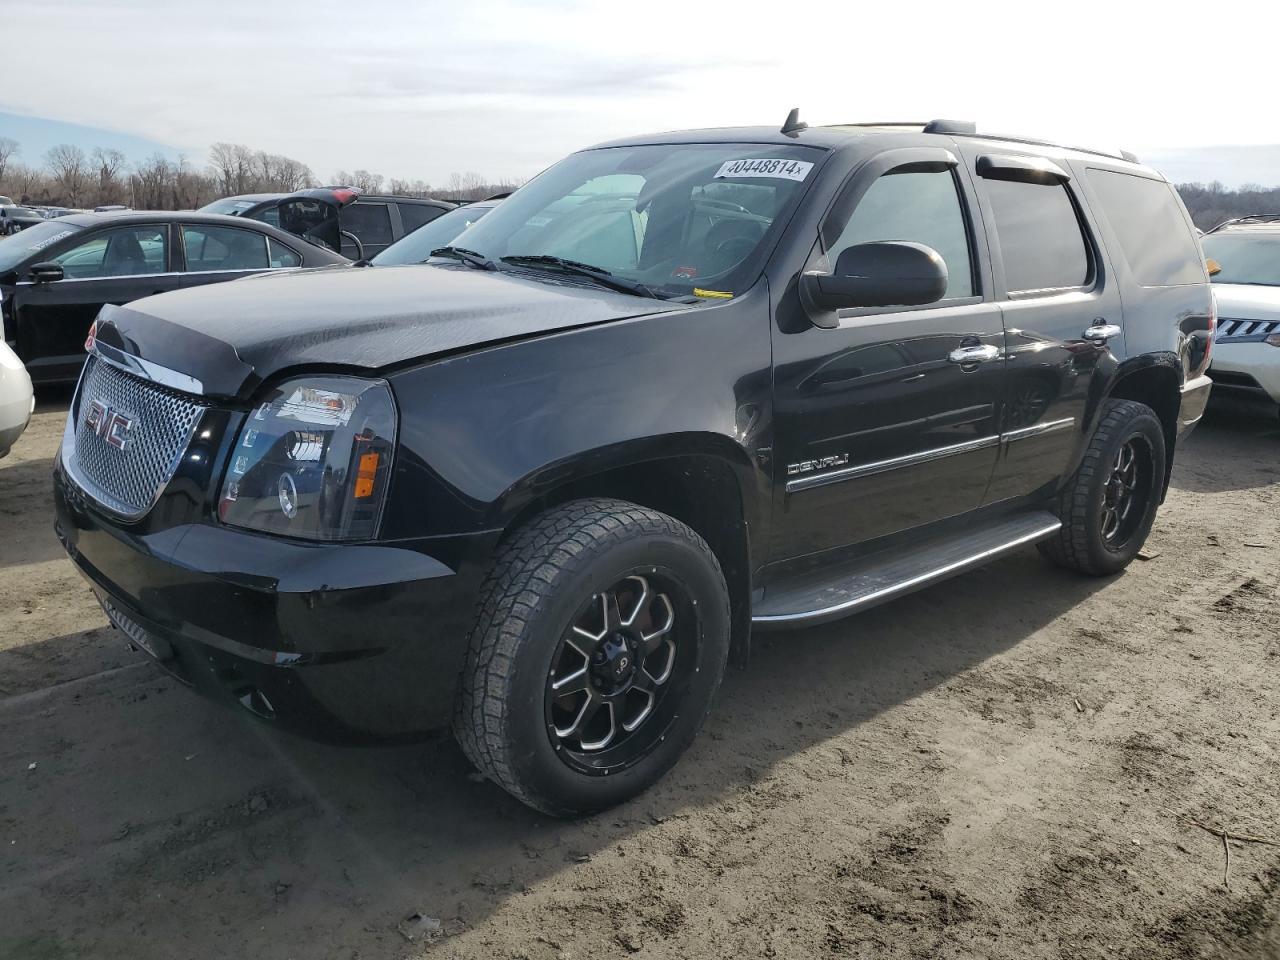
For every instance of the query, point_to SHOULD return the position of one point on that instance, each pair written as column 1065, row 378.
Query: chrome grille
column 128, row 480
column 1234, row 330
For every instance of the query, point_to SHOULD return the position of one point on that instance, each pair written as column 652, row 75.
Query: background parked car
column 55, row 277
column 1246, row 351
column 14, row 219
column 442, row 231
column 336, row 216
column 17, row 400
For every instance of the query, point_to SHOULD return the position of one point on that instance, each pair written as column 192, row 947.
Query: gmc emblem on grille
column 111, row 425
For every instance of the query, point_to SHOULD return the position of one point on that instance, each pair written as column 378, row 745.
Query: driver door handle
column 1101, row 332
column 980, row 353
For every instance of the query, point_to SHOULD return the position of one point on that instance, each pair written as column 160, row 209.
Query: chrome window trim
column 894, row 463
column 121, row 276
column 148, row 370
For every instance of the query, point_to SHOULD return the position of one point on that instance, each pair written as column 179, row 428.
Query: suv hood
column 232, row 336
column 1246, row 301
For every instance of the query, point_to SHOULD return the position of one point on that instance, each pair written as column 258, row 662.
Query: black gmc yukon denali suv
column 674, row 390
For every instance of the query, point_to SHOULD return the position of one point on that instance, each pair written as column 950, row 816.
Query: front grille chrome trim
column 127, row 483
column 148, row 370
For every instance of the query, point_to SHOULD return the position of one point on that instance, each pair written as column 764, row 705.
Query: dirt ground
column 1005, row 766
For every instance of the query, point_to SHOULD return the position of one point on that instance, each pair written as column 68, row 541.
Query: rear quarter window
column 1157, row 244
column 415, row 215
column 371, row 222
column 1039, row 234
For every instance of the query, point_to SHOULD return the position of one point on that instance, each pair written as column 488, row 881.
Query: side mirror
column 894, row 273
column 46, row 272
column 1213, row 266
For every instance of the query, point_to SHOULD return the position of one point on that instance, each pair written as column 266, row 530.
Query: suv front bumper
column 348, row 642
column 1261, row 361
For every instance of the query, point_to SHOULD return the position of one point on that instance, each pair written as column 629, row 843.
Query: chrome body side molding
column 896, row 463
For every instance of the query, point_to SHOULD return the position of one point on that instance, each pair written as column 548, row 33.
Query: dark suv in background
column 674, row 390
column 365, row 224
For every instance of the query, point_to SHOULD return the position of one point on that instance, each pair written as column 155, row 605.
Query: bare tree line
column 1210, row 204
column 67, row 176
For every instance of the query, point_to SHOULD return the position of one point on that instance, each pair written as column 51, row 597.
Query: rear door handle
column 976, row 354
column 1102, row 332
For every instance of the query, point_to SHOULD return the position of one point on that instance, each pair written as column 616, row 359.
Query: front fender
column 483, row 433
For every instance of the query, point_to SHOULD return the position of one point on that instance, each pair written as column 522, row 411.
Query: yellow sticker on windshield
column 714, row 294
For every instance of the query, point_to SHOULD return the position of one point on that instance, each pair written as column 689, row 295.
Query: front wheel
column 601, row 637
column 1109, row 504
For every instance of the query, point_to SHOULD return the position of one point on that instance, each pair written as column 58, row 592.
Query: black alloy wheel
column 1124, row 492
column 601, row 637
column 606, row 694
column 1108, row 505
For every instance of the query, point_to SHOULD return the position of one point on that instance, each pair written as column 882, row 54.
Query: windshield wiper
column 469, row 257
column 598, row 274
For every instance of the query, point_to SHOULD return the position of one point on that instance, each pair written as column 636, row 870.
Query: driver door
column 881, row 426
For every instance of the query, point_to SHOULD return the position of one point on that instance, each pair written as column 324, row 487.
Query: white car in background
column 17, row 400
column 1246, row 344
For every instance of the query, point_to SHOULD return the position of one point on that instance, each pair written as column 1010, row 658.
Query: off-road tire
column 525, row 605
column 1080, row 545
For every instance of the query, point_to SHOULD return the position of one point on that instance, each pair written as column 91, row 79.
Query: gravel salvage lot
column 1004, row 766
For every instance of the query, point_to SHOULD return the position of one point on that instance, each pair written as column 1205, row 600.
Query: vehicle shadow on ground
column 150, row 802
column 54, row 397
column 1218, row 440
column 26, row 487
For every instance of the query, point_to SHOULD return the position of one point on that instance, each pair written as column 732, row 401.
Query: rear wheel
column 1109, row 504
column 601, row 637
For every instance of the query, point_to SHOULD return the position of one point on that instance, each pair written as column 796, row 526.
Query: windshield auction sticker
column 778, row 169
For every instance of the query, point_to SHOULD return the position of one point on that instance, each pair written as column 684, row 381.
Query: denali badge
column 111, row 425
column 822, row 463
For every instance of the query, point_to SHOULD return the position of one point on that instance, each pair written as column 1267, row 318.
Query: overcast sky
column 420, row 89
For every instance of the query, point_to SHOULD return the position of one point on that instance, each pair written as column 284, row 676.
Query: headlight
column 313, row 460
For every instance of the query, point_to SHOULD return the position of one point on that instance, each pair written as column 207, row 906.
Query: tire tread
column 521, row 580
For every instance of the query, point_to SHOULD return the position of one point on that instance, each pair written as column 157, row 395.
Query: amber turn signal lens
column 365, row 473
column 1213, row 265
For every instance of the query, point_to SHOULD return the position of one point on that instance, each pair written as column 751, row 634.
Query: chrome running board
column 833, row 592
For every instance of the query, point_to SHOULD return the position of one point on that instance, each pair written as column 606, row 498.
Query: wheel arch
column 1158, row 384
column 706, row 481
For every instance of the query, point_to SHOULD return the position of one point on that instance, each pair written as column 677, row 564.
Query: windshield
column 440, row 232
column 230, row 206
column 679, row 218
column 16, row 248
column 1245, row 257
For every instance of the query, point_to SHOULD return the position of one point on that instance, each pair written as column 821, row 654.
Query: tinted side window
column 282, row 256
column 923, row 207
column 1154, row 237
column 371, row 222
column 223, row 248
column 415, row 215
column 128, row 251
column 1039, row 236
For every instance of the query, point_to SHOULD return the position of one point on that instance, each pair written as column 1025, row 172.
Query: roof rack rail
column 1114, row 154
column 1250, row 218
column 963, row 128
column 967, row 128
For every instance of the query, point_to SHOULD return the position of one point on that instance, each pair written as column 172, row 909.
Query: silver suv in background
column 1246, row 351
